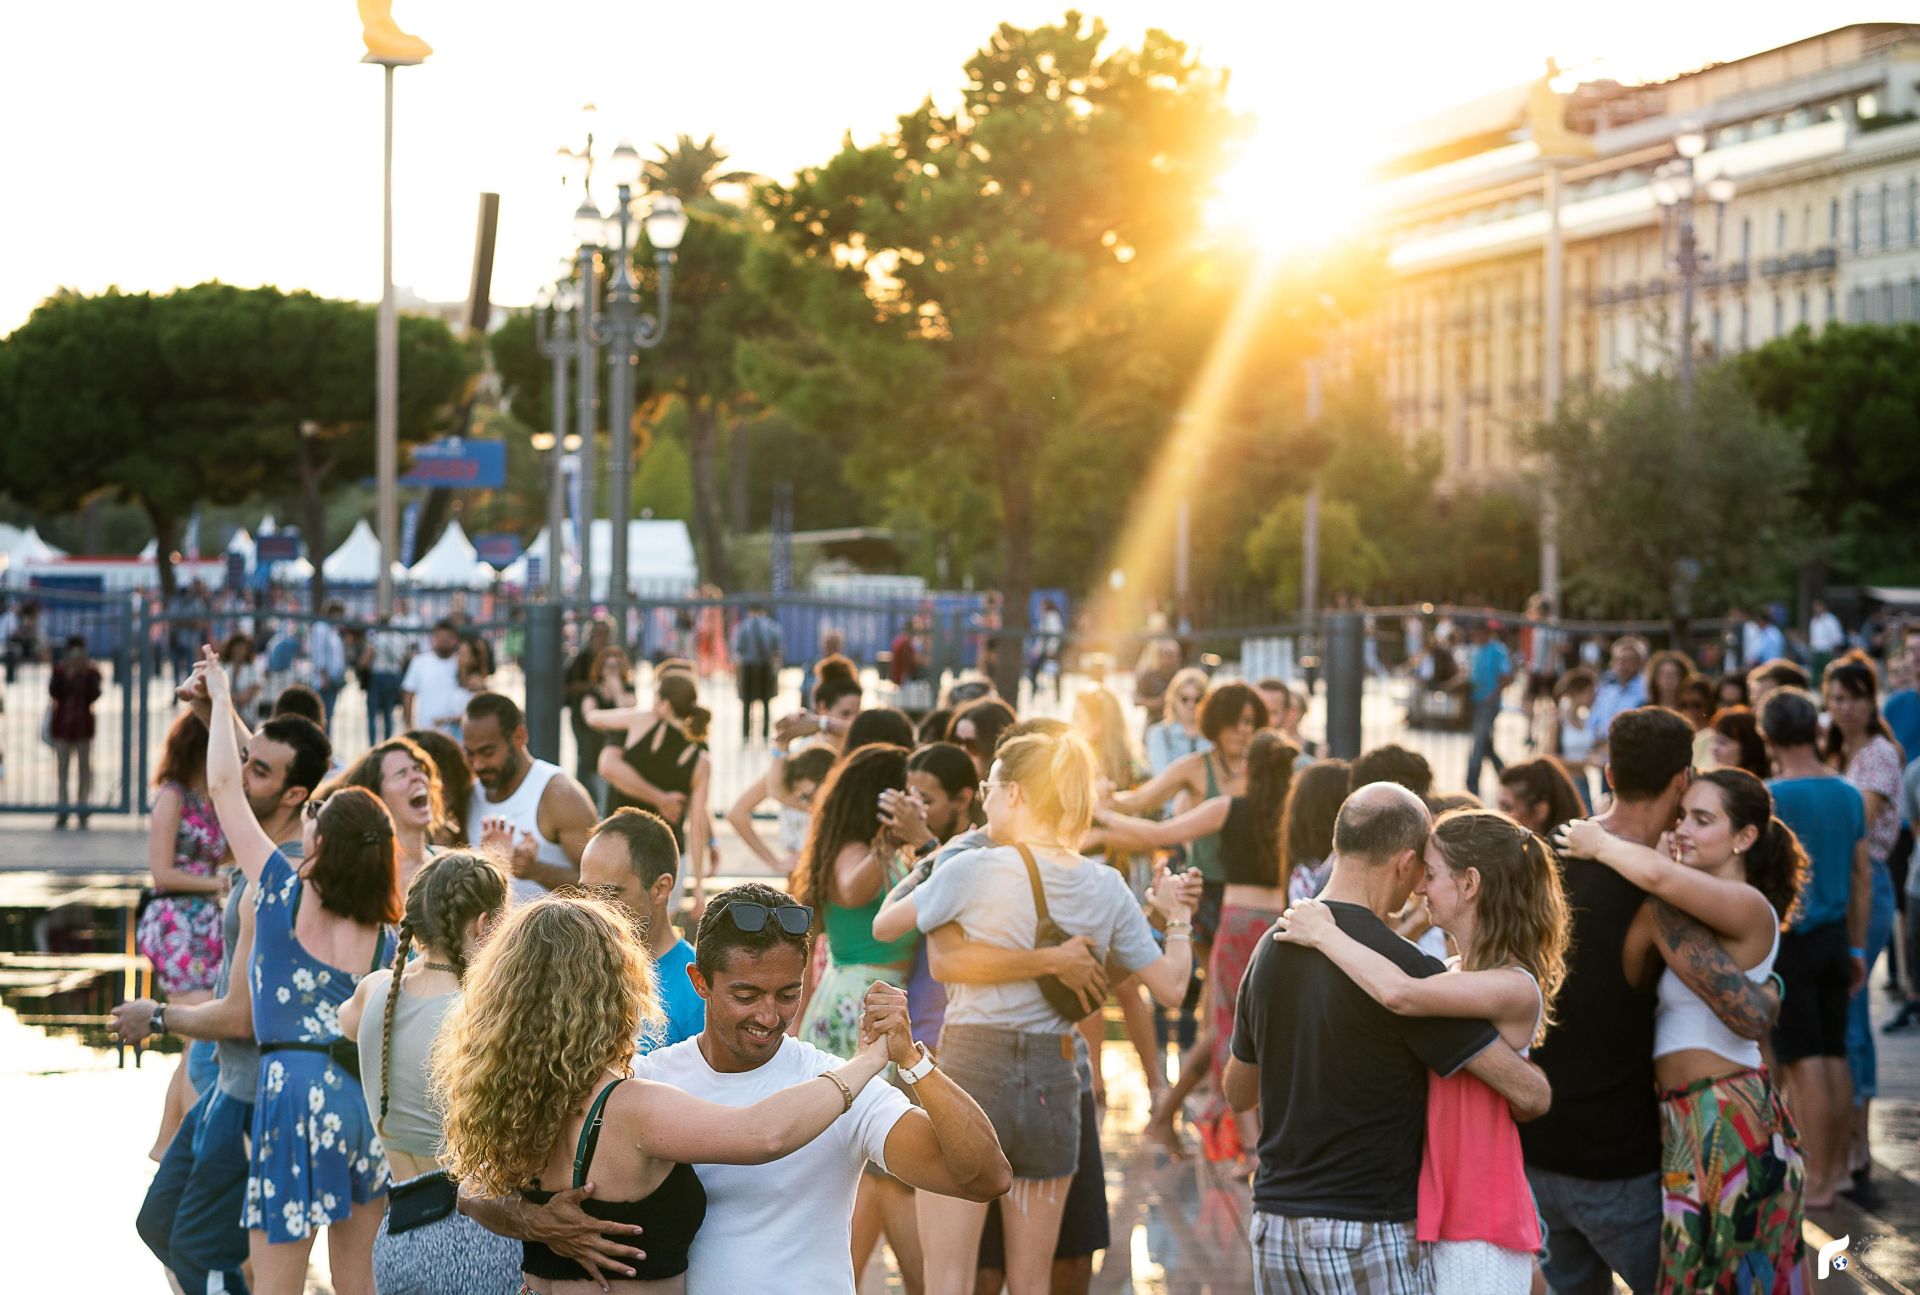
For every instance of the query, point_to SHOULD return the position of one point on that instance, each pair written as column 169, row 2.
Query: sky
column 152, row 146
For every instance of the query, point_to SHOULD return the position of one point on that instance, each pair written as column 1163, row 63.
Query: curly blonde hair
column 552, row 1003
column 1521, row 912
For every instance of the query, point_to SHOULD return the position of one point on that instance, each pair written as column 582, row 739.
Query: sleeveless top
column 1685, row 1021
column 1599, row 1058
column 1204, row 852
column 522, row 809
column 671, row 1214
column 1240, row 862
column 665, row 757
column 850, row 939
column 412, row 1123
column 1473, row 1177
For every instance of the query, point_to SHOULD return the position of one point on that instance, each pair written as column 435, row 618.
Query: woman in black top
column 663, row 766
column 1252, row 835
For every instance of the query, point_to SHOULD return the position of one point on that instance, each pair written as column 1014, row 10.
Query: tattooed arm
column 1693, row 951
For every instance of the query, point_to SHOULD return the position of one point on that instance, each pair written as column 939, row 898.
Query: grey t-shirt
column 239, row 1059
column 986, row 891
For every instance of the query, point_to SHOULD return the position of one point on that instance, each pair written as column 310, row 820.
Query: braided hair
column 446, row 896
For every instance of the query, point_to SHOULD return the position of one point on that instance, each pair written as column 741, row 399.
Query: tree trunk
column 166, row 533
column 739, row 466
column 709, row 535
column 1016, row 563
column 313, row 508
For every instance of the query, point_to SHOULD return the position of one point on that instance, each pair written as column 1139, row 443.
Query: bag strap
column 590, row 1134
column 1033, row 880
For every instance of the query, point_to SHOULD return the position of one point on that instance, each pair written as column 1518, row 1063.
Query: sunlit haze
column 152, row 146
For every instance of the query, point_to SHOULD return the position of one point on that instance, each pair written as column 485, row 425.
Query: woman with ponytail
column 425, row 1244
column 1013, row 1045
column 1252, row 832
column 663, row 767
column 1495, row 888
column 1735, row 1178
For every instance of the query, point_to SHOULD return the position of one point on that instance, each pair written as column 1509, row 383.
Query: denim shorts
column 1029, row 1088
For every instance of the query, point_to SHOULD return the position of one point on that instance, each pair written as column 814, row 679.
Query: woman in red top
column 1495, row 888
column 72, row 691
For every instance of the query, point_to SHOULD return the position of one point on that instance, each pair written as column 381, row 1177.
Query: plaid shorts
column 1310, row 1256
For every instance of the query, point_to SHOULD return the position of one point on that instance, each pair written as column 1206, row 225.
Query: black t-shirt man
column 1343, row 1081
column 580, row 683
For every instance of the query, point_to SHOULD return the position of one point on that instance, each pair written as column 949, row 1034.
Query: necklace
column 441, row 966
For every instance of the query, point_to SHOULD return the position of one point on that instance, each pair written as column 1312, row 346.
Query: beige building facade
column 1821, row 139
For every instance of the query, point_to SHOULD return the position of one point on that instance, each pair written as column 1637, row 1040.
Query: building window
column 1717, row 329
column 1833, row 221
column 1780, row 230
column 1886, row 303
column 1886, row 214
column 1803, row 308
column 1779, row 314
column 1828, row 319
column 1746, row 239
column 1913, row 211
column 1857, row 306
column 1853, row 221
column 1746, row 322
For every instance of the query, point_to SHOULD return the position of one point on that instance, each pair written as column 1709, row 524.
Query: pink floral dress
column 180, row 934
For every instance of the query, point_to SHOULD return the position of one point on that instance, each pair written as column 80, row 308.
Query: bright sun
column 1292, row 189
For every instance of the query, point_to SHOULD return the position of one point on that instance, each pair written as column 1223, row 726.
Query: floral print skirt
column 1733, row 1179
column 832, row 1019
column 180, row 935
column 315, row 1154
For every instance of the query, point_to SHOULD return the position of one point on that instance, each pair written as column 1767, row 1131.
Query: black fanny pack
column 420, row 1201
column 345, row 1053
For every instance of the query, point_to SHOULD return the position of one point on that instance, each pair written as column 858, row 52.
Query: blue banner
column 497, row 548
column 281, row 546
column 409, row 532
column 456, row 463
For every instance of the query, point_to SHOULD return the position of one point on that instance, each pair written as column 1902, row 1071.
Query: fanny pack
column 345, row 1053
column 1070, row 1003
column 420, row 1201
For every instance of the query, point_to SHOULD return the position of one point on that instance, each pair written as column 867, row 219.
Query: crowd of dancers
column 440, row 1008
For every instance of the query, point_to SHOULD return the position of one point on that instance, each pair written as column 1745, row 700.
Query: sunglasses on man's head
column 751, row 919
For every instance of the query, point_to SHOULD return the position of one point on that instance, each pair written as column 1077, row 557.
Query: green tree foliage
column 1646, row 480
column 1348, row 558
column 1853, row 395
column 968, row 289
column 210, row 393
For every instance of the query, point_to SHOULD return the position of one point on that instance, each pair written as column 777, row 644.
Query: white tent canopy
column 242, row 543
column 452, row 561
column 357, row 560
column 659, row 554
column 18, row 547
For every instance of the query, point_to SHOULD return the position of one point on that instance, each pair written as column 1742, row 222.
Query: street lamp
column 623, row 330
column 1676, row 185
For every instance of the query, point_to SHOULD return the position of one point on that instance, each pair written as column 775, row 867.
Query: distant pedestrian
column 431, row 692
column 757, row 646
column 582, row 688
column 327, row 652
column 72, row 690
column 1826, row 639
column 1491, row 672
column 388, row 651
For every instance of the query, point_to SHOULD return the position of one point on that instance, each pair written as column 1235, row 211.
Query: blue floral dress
column 315, row 1154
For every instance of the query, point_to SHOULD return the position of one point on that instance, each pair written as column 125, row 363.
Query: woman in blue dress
column 318, row 928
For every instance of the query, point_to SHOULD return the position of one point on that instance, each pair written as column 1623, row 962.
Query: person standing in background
column 757, row 645
column 582, row 682
column 1491, row 672
column 1825, row 638
column 72, row 690
column 327, row 653
column 386, row 656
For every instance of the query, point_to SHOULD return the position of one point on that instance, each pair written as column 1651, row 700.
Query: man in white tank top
column 533, row 811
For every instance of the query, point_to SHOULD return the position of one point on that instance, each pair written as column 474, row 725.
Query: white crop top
column 1685, row 1021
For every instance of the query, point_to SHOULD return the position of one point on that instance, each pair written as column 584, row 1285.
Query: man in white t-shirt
column 787, row 1225
column 430, row 692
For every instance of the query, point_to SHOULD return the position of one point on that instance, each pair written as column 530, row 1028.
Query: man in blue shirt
column 1822, row 959
column 1490, row 673
column 633, row 857
column 1621, row 688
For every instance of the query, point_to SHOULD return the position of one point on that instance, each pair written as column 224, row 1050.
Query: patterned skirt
column 1239, row 936
column 832, row 1019
column 1733, row 1179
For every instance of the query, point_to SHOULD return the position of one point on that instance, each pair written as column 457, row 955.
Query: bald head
column 1378, row 822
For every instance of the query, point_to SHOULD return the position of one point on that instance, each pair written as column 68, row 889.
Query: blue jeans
column 203, row 1068
column 191, row 1217
column 1486, row 713
column 383, row 699
column 1598, row 1227
column 1861, row 1057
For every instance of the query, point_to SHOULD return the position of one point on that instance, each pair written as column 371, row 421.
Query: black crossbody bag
column 420, row 1201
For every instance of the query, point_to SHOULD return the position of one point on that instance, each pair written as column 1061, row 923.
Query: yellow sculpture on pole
column 386, row 43
column 1547, row 120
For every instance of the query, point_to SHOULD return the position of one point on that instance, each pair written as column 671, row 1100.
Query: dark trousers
column 383, row 699
column 1486, row 713
column 756, row 685
column 191, row 1217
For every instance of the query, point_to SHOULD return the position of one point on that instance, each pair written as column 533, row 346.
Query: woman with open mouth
column 406, row 780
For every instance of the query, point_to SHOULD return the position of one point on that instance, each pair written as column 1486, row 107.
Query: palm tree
column 690, row 171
